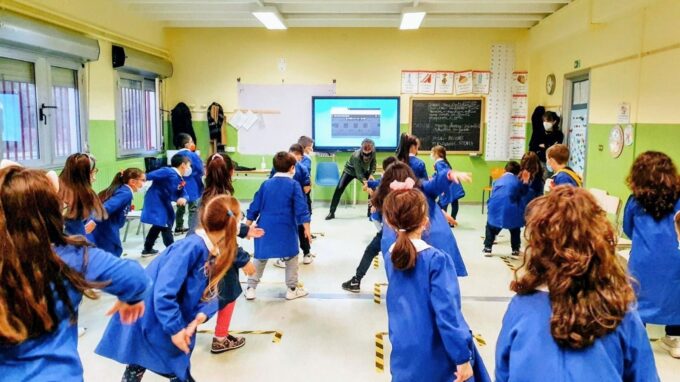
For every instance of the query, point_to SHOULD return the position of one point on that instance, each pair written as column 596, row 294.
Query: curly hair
column 655, row 183
column 571, row 250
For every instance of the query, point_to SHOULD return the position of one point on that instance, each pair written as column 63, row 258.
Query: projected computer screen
column 341, row 123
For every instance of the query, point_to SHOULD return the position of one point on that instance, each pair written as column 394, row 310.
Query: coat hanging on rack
column 181, row 123
column 215, row 121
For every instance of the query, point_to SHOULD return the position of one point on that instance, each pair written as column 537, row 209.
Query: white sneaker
column 308, row 258
column 250, row 293
column 672, row 345
column 297, row 293
column 280, row 263
column 81, row 331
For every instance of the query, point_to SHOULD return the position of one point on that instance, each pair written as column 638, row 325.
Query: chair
column 133, row 215
column 494, row 174
column 327, row 174
column 612, row 206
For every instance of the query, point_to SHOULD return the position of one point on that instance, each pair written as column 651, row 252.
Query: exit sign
column 577, row 64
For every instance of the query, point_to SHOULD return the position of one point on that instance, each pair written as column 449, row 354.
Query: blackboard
column 455, row 123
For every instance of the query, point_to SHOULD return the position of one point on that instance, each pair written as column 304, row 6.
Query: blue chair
column 327, row 174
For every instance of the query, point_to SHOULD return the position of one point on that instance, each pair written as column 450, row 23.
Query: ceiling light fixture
column 411, row 18
column 269, row 17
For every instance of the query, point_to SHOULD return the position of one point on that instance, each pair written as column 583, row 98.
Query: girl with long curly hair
column 573, row 315
column 654, row 256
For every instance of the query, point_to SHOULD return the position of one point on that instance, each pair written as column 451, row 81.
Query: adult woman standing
column 360, row 166
column 547, row 131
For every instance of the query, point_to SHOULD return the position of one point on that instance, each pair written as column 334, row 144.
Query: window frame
column 42, row 68
column 120, row 152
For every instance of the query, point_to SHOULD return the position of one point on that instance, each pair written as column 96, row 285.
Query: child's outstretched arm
column 254, row 209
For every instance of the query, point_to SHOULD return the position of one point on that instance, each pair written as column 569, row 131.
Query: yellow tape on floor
column 377, row 292
column 376, row 262
column 276, row 339
column 380, row 352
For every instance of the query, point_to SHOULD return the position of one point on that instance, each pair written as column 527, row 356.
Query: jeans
column 193, row 216
column 492, row 232
column 344, row 181
column 292, row 266
column 454, row 208
column 371, row 251
column 151, row 237
column 134, row 373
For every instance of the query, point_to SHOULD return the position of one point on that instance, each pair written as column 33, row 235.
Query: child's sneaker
column 81, row 331
column 307, row 259
column 353, row 285
column 292, row 294
column 149, row 253
column 515, row 254
column 279, row 263
column 250, row 293
column 486, row 252
column 672, row 345
column 228, row 343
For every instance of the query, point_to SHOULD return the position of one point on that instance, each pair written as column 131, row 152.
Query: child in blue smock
column 648, row 220
column 279, row 206
column 407, row 152
column 80, row 201
column 168, row 186
column 185, row 276
column 43, row 285
column 505, row 209
column 456, row 191
column 574, row 317
column 557, row 159
column 530, row 166
column 430, row 339
column 438, row 234
column 194, row 185
column 117, row 200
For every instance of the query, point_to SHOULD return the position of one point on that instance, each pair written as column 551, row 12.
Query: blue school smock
column 230, row 285
column 306, row 161
column 278, row 207
column 301, row 175
column 504, row 205
column 54, row 356
column 74, row 227
column 654, row 263
column 106, row 234
column 194, row 181
column 418, row 167
column 167, row 187
column 454, row 192
column 527, row 352
column 427, row 330
column 179, row 277
column 564, row 177
column 534, row 190
column 438, row 233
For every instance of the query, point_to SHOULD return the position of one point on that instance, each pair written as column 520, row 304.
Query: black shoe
column 515, row 254
column 149, row 253
column 487, row 252
column 330, row 216
column 353, row 285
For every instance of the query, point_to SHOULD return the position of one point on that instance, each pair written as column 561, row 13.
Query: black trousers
column 454, row 209
column 134, row 373
column 151, row 237
column 372, row 250
column 304, row 243
column 344, row 181
column 492, row 232
column 673, row 330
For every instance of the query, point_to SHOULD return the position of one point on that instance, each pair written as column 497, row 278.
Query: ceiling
column 348, row 13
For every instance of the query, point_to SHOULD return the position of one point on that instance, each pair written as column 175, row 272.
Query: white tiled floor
column 330, row 336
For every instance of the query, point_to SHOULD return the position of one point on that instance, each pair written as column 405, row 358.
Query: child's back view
column 505, row 209
column 279, row 206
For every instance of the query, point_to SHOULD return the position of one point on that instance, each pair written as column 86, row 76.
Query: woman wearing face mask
column 360, row 166
column 547, row 131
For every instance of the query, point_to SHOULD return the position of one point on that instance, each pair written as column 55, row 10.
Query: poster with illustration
column 480, row 82
column 577, row 140
column 444, row 83
column 520, row 85
column 426, row 82
column 409, row 82
column 463, row 82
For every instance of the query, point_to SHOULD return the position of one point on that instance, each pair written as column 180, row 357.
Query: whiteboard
column 276, row 132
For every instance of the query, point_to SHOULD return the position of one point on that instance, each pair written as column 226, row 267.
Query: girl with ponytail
column 430, row 339
column 186, row 277
column 117, row 200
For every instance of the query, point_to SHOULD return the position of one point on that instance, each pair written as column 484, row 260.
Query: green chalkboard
column 455, row 123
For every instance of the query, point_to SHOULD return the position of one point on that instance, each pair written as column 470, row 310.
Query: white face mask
column 188, row 171
column 548, row 126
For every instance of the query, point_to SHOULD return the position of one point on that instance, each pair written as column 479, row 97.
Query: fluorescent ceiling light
column 269, row 17
column 411, row 18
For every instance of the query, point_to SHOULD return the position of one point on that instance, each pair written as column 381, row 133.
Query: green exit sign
column 577, row 64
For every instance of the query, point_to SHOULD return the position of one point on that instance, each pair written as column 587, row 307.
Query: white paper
column 480, row 82
column 409, row 82
column 463, row 82
column 249, row 120
column 520, row 106
column 426, row 82
column 444, row 83
column 237, row 119
column 623, row 113
column 520, row 83
column 499, row 104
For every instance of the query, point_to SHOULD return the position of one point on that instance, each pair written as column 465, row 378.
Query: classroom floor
column 331, row 334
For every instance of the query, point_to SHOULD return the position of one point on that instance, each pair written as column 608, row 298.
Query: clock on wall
column 616, row 141
column 550, row 83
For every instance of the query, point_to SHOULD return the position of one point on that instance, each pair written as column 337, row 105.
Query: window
column 139, row 127
column 40, row 108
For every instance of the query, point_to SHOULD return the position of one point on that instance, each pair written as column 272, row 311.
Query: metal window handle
column 43, row 117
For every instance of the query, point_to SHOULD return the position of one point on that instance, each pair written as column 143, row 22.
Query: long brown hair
column 221, row 214
column 120, row 179
column 76, row 188
column 398, row 171
column 30, row 270
column 532, row 164
column 218, row 176
column 440, row 152
column 406, row 141
column 406, row 212
column 572, row 250
column 655, row 183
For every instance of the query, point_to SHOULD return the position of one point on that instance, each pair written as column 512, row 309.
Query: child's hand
column 254, row 231
column 129, row 314
column 463, row 372
column 524, row 176
column 249, row 223
column 306, row 189
column 450, row 219
column 249, row 269
column 308, row 233
column 460, row 177
column 182, row 340
column 191, row 328
column 90, row 226
column 181, row 202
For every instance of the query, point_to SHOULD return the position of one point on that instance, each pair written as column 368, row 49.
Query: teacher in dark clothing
column 360, row 166
column 546, row 131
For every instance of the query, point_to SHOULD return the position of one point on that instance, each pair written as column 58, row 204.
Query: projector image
column 350, row 122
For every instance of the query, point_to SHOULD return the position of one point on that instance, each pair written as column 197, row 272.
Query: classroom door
column 578, row 125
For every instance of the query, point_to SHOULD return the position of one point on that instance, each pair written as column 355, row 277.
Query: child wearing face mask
column 194, row 186
column 117, row 200
column 168, row 185
column 558, row 157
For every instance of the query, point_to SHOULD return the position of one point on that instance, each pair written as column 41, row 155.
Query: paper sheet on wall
column 444, row 84
column 499, row 105
column 409, row 82
column 577, row 139
column 463, row 82
column 236, row 119
column 520, row 84
column 520, row 106
column 426, row 82
column 480, row 82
